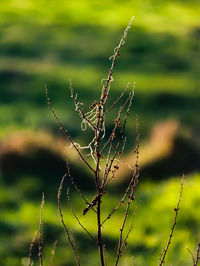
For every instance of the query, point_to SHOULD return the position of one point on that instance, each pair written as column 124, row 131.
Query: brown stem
column 99, row 237
column 63, row 223
column 40, row 232
column 65, row 131
column 197, row 255
column 164, row 252
column 31, row 248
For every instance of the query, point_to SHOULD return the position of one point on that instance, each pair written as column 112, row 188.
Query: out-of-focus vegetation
column 52, row 41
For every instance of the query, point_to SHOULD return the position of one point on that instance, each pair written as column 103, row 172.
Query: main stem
column 99, row 238
column 99, row 189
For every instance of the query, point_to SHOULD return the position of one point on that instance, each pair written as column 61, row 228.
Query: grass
column 155, row 202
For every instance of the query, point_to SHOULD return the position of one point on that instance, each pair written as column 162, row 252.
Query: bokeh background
column 51, row 41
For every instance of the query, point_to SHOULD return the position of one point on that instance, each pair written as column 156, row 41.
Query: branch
column 197, row 255
column 120, row 244
column 75, row 185
column 63, row 223
column 109, row 79
column 128, row 233
column 81, row 113
column 65, row 131
column 72, row 209
column 134, row 180
column 164, row 252
column 116, row 101
column 31, row 248
column 40, row 231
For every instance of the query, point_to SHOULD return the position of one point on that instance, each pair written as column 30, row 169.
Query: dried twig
column 31, row 248
column 110, row 161
column 164, row 252
column 124, row 243
column 65, row 131
column 63, row 223
column 40, row 232
column 197, row 255
column 115, row 102
column 75, row 185
column 130, row 200
column 75, row 215
column 95, row 119
column 83, row 116
column 192, row 255
column 134, row 180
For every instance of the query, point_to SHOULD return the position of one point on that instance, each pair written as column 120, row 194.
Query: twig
column 40, row 232
column 116, row 166
column 130, row 200
column 115, row 102
column 76, row 103
column 109, row 79
column 117, row 123
column 134, row 180
column 162, row 260
column 197, row 255
column 65, row 131
column 53, row 253
column 75, row 185
column 31, row 248
column 117, row 120
column 63, row 223
column 192, row 255
column 104, row 253
column 74, row 213
column 129, row 230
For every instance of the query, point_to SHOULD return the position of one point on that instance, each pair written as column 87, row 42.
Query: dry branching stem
column 40, row 232
column 197, row 255
column 95, row 119
column 165, row 249
column 31, row 248
column 63, row 223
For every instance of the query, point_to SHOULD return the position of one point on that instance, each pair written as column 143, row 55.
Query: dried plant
column 103, row 146
column 40, row 232
column 166, row 246
column 196, row 257
column 105, row 150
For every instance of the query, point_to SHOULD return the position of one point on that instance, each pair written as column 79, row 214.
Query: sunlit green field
column 50, row 42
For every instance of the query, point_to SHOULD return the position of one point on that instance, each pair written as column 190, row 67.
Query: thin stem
column 31, row 248
column 115, row 102
column 197, row 255
column 192, row 255
column 162, row 259
column 81, row 113
column 63, row 223
column 120, row 243
column 40, row 232
column 134, row 180
column 99, row 238
column 129, row 231
column 75, row 215
column 65, row 131
column 75, row 185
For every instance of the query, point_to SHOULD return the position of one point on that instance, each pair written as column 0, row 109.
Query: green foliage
column 154, row 216
column 49, row 42
column 46, row 41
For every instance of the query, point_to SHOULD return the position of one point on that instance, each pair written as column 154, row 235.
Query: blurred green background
column 52, row 41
